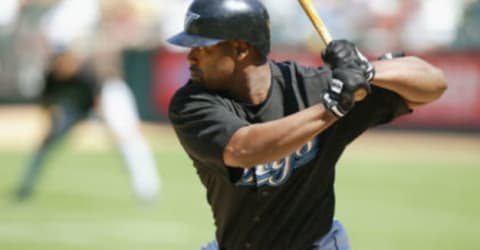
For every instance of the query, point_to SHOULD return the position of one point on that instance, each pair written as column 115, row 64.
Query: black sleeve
column 381, row 107
column 88, row 78
column 48, row 92
column 203, row 124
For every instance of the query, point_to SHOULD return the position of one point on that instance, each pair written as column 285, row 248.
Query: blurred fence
column 155, row 75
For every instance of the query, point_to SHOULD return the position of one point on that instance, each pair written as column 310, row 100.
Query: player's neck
column 253, row 85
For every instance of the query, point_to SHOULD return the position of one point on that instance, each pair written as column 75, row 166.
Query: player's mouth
column 195, row 73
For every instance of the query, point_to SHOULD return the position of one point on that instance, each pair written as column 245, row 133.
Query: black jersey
column 286, row 204
column 77, row 93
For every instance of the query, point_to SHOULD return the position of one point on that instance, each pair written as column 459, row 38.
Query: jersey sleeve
column 90, row 87
column 48, row 92
column 204, row 125
column 380, row 107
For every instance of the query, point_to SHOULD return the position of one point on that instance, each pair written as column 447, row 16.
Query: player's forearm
column 417, row 81
column 266, row 142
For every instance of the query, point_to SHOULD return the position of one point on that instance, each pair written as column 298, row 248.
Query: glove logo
column 336, row 86
column 277, row 172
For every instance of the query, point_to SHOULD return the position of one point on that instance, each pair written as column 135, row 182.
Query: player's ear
column 241, row 50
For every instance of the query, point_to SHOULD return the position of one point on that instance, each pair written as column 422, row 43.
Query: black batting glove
column 339, row 98
column 343, row 53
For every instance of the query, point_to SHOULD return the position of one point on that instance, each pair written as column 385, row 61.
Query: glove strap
column 369, row 69
column 333, row 106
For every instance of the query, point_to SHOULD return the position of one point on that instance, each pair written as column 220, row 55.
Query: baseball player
column 72, row 92
column 264, row 136
column 68, row 97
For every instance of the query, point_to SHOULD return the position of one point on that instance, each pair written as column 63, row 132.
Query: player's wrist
column 337, row 105
column 332, row 105
column 369, row 71
column 339, row 97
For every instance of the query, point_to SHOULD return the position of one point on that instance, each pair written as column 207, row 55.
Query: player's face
column 65, row 65
column 213, row 66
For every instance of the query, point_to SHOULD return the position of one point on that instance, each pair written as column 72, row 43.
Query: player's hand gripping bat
column 324, row 35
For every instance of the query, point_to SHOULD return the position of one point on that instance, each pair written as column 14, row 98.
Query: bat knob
column 360, row 94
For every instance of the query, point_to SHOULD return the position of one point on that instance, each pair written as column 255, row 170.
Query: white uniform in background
column 120, row 113
column 72, row 24
column 8, row 12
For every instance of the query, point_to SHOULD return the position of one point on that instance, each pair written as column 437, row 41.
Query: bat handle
column 360, row 94
column 321, row 29
column 317, row 22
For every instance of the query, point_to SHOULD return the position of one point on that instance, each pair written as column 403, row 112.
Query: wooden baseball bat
column 324, row 35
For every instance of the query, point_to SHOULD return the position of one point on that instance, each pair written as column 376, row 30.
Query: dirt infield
column 22, row 127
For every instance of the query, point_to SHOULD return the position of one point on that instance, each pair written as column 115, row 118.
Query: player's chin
column 195, row 77
column 198, row 81
column 195, row 72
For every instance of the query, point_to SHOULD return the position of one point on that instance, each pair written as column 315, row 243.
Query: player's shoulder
column 191, row 95
column 192, row 91
column 304, row 71
column 309, row 77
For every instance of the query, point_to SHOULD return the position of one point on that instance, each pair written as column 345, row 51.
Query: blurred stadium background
column 409, row 185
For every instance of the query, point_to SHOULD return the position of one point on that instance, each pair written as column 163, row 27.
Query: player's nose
column 192, row 56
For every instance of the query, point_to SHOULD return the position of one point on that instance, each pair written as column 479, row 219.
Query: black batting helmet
column 209, row 22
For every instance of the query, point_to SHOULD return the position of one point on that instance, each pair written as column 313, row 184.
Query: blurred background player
column 79, row 38
column 68, row 97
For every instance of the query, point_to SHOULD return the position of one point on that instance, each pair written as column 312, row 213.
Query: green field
column 389, row 196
